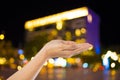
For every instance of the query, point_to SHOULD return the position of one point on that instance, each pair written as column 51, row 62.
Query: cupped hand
column 62, row 48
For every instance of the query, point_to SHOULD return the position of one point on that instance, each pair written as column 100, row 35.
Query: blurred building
column 80, row 25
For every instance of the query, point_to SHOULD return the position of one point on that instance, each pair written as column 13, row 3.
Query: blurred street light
column 2, row 36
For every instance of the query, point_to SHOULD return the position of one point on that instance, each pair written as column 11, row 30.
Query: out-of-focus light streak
column 106, row 62
column 67, row 15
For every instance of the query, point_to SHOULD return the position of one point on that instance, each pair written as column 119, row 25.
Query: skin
column 52, row 49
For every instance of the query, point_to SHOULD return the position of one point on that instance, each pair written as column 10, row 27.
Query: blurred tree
column 7, row 50
column 33, row 46
column 9, row 54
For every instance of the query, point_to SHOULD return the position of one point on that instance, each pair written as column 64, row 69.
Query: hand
column 54, row 48
column 62, row 48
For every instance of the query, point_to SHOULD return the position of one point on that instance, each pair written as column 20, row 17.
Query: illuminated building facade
column 80, row 25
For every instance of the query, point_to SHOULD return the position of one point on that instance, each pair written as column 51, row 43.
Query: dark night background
column 14, row 14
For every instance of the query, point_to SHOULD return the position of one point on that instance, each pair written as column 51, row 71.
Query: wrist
column 43, row 53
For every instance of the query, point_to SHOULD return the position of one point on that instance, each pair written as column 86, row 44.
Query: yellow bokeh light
column 2, row 60
column 11, row 60
column 83, row 30
column 49, row 65
column 19, row 67
column 119, row 60
column 113, row 72
column 77, row 32
column 2, row 36
column 83, row 40
column 59, row 25
column 77, row 41
column 21, row 56
column 71, row 60
column 91, row 48
column 68, row 35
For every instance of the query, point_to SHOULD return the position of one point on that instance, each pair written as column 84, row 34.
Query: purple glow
column 93, row 31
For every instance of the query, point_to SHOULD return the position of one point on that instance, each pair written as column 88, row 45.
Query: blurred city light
column 106, row 58
column 67, row 15
column 20, row 51
column 85, row 65
column 2, row 60
column 2, row 36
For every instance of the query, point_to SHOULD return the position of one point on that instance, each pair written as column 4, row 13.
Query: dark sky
column 14, row 14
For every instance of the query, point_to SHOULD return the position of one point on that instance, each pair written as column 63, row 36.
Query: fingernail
column 90, row 46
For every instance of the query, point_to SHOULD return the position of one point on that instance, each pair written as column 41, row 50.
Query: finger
column 69, row 42
column 85, row 45
column 66, row 54
column 69, row 47
column 82, row 47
